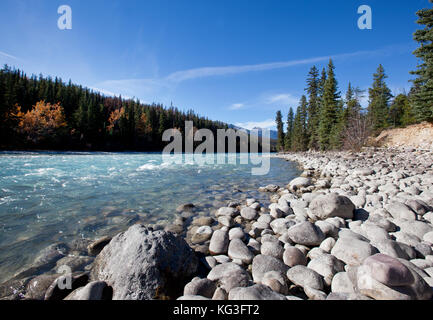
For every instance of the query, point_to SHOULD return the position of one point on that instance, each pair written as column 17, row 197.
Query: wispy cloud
column 266, row 124
column 228, row 70
column 149, row 86
column 236, row 106
column 282, row 98
column 8, row 55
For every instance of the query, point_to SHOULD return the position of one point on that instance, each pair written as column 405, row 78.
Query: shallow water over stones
column 60, row 197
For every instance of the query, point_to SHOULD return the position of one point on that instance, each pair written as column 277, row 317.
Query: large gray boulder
column 142, row 264
column 331, row 205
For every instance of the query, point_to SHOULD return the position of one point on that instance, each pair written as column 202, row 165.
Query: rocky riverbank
column 352, row 226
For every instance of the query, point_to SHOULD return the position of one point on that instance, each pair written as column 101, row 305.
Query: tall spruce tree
column 422, row 99
column 280, row 130
column 330, row 109
column 379, row 99
column 313, row 87
column 299, row 136
column 353, row 105
column 289, row 134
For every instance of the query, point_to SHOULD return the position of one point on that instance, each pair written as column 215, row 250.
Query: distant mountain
column 273, row 133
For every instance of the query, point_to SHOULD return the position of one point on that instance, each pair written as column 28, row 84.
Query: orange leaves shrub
column 114, row 118
column 43, row 121
column 143, row 125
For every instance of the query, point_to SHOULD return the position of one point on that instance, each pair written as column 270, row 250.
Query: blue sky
column 237, row 61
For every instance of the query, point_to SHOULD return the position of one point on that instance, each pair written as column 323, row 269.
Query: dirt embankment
column 419, row 136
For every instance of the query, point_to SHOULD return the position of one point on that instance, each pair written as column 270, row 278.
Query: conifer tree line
column 41, row 112
column 324, row 120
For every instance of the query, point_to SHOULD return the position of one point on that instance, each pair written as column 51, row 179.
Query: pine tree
column 400, row 111
column 353, row 106
column 379, row 99
column 289, row 134
column 300, row 137
column 162, row 123
column 330, row 109
column 422, row 99
column 81, row 115
column 313, row 120
column 280, row 129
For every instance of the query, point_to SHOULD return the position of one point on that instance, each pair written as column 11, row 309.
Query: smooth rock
column 248, row 213
column 327, row 266
column 352, row 251
column 200, row 287
column 388, row 270
column 219, row 242
column 263, row 264
column 305, row 277
column 238, row 250
column 292, row 256
column 332, row 205
column 273, row 249
column 306, row 233
column 144, row 264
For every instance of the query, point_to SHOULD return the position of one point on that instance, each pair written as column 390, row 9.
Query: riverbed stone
column 277, row 281
column 352, row 251
column 219, row 242
column 36, row 288
column 306, row 233
column 388, row 270
column 305, row 277
column 229, row 275
column 292, row 256
column 236, row 233
column 226, row 211
column 239, row 250
column 158, row 264
column 399, row 210
column 202, row 234
column 262, row 264
column 327, row 266
column 200, row 287
column 331, row 205
column 273, row 249
column 341, row 283
column 299, row 183
column 248, row 213
column 327, row 244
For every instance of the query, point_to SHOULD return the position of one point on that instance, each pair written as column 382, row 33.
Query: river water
column 46, row 197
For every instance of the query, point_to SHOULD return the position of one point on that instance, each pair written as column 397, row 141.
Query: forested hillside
column 45, row 113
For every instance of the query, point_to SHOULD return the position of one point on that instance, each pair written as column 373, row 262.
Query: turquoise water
column 50, row 197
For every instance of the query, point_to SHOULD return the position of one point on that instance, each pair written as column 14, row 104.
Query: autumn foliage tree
column 43, row 122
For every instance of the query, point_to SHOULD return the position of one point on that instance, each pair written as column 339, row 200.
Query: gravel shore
column 353, row 226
